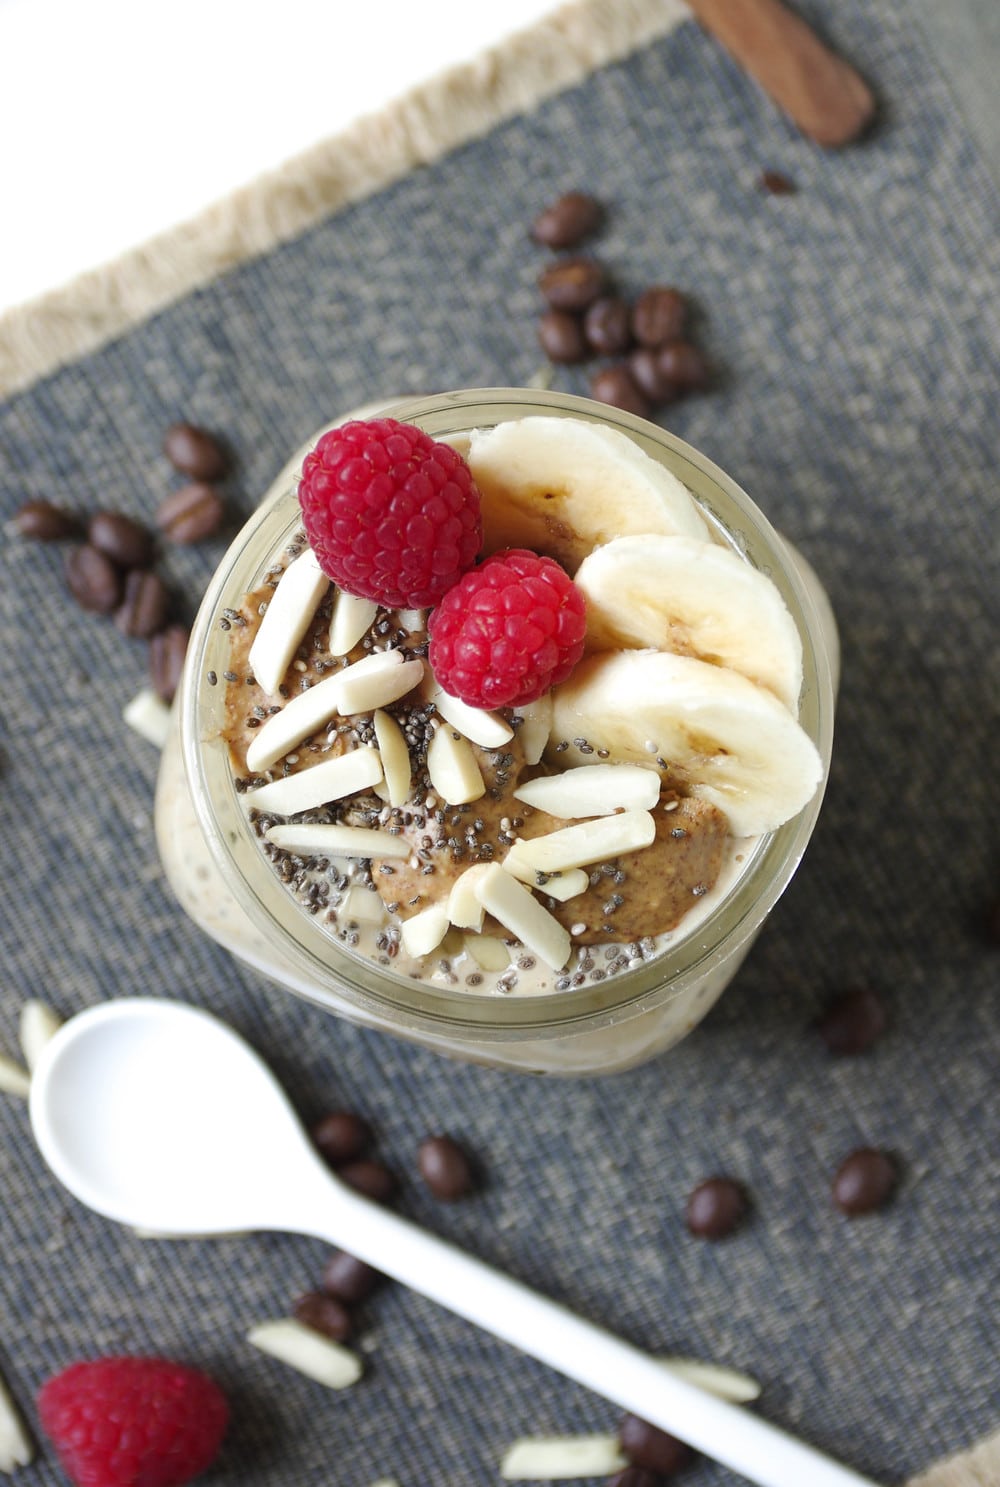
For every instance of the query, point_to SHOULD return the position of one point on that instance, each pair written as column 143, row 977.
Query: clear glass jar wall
column 222, row 880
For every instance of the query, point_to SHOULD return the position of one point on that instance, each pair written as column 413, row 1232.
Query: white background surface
column 119, row 118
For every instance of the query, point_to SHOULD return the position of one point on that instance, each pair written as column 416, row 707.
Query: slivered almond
column 15, row 1445
column 413, row 621
column 377, row 687
column 464, row 908
column 533, row 732
column 149, row 716
column 504, row 897
column 424, row 932
column 37, row 1025
column 308, row 711
column 13, row 1079
column 563, row 886
column 593, row 790
column 393, row 748
column 487, row 729
column 715, row 1378
column 589, row 841
column 489, row 953
column 560, row 1458
column 362, row 904
column 288, row 616
column 307, row 1351
column 300, row 718
column 350, row 619
column 454, row 773
column 453, row 943
column 319, row 784
column 338, row 841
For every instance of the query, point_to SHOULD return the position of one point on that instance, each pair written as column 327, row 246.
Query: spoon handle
column 579, row 1349
column 820, row 92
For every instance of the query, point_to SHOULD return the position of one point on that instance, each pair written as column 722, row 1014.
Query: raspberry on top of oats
column 508, row 631
column 391, row 514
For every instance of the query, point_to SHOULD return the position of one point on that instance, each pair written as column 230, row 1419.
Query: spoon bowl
column 156, row 1114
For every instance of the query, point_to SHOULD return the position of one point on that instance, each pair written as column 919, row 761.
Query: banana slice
column 562, row 486
column 695, row 598
column 733, row 742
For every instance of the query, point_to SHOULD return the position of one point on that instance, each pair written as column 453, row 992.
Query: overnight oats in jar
column 505, row 721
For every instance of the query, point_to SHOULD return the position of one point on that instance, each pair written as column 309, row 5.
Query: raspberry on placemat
column 507, row 631
column 133, row 1422
column 391, row 514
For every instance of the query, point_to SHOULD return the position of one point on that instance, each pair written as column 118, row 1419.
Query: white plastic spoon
column 158, row 1115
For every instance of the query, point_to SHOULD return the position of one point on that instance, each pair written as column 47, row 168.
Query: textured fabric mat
column 855, row 326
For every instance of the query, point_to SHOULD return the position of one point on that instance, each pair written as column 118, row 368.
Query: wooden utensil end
column 821, row 93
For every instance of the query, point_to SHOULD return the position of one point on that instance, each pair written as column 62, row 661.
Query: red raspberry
column 507, row 631
column 391, row 514
column 133, row 1422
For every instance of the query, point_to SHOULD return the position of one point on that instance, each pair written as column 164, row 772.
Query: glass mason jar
column 223, row 881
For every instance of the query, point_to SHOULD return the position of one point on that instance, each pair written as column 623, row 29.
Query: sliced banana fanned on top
column 733, row 742
column 696, row 599
column 562, row 486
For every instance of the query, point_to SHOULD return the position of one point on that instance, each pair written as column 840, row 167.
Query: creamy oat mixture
column 633, row 907
column 441, row 843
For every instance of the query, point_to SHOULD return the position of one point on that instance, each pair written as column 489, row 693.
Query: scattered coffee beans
column 864, row 1181
column 324, row 1314
column 775, row 183
column 348, row 1278
column 572, row 283
column 684, row 366
column 852, row 1022
column 646, row 1446
column 607, row 326
column 126, row 542
column 93, row 579
column 445, row 1168
column 658, row 316
column 634, row 1476
column 644, row 364
column 43, row 522
column 145, row 605
column 584, row 319
column 617, row 387
column 111, row 572
column 715, row 1208
column 195, row 452
column 191, row 514
column 370, row 1177
column 561, row 337
column 342, row 1136
column 166, row 660
column 566, row 222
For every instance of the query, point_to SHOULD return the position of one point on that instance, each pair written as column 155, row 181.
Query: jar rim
column 327, row 972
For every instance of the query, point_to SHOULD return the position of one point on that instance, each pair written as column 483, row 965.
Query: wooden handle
column 819, row 91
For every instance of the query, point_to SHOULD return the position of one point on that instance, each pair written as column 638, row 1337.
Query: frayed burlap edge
column 979, row 1467
column 421, row 126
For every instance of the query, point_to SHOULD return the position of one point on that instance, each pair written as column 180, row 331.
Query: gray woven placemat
column 855, row 324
